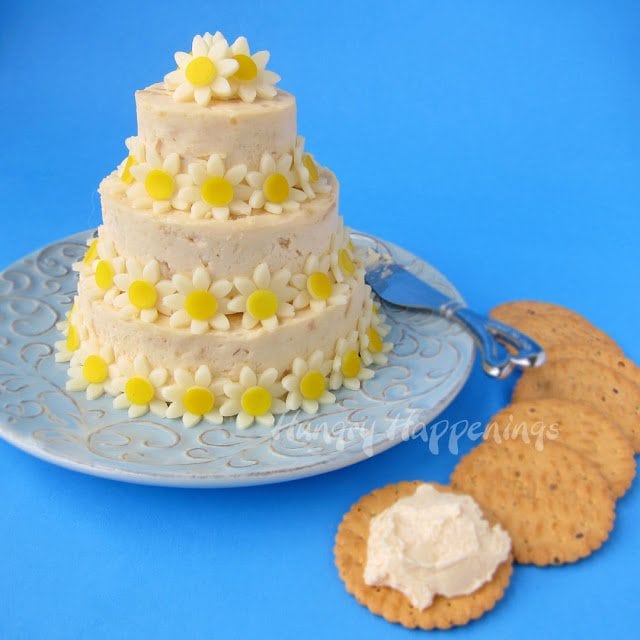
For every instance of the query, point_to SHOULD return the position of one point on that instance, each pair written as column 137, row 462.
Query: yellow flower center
column 126, row 170
column 350, row 364
column 256, row 401
column 262, row 304
column 312, row 385
column 311, row 166
column 92, row 252
column 201, row 305
column 276, row 188
column 73, row 339
column 217, row 191
column 375, row 341
column 344, row 262
column 159, row 184
column 95, row 370
column 198, row 400
column 375, row 309
column 247, row 69
column 139, row 390
column 104, row 274
column 201, row 71
column 143, row 294
column 319, row 285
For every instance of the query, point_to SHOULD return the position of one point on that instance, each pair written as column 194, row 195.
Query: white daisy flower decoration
column 92, row 370
column 217, row 191
column 251, row 79
column 91, row 254
column 63, row 325
column 374, row 317
column 142, row 290
column 307, row 384
column 193, row 397
column 348, row 369
column 272, row 186
column 254, row 398
column 373, row 349
column 308, row 172
column 137, row 387
column 317, row 289
column 200, row 302
column 157, row 183
column 343, row 263
column 202, row 74
column 137, row 154
column 211, row 39
column 74, row 335
column 263, row 298
column 104, row 268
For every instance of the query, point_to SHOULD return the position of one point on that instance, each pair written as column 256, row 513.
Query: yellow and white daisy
column 104, row 267
column 84, row 264
column 63, row 325
column 308, row 172
column 217, row 191
column 74, row 335
column 373, row 349
column 307, row 384
column 251, row 79
column 142, row 290
column 273, row 185
column 348, row 369
column 137, row 154
column 254, row 398
column 202, row 74
column 157, row 182
column 343, row 262
column 317, row 288
column 263, row 298
column 200, row 302
column 193, row 397
column 92, row 370
column 137, row 387
column 374, row 316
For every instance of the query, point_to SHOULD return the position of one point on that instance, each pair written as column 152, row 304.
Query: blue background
column 498, row 140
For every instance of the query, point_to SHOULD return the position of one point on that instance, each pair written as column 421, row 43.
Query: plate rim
column 196, row 480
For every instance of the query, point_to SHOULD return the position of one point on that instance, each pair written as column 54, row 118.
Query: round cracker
column 351, row 553
column 583, row 380
column 598, row 353
column 552, row 325
column 555, row 504
column 577, row 426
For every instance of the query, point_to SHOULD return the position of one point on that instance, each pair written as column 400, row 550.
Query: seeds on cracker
column 583, row 380
column 555, row 504
column 552, row 325
column 577, row 426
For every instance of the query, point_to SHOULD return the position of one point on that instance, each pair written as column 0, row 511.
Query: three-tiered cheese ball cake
column 222, row 282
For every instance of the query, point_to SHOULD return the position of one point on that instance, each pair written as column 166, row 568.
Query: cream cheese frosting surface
column 232, row 247
column 433, row 543
column 242, row 131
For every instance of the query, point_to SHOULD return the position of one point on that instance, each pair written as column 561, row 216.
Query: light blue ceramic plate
column 429, row 364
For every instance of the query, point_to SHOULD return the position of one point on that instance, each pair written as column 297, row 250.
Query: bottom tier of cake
column 250, row 375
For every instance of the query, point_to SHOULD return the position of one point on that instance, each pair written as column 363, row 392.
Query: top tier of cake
column 217, row 176
column 242, row 131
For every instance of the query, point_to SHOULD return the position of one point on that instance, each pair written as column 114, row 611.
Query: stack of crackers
column 550, row 468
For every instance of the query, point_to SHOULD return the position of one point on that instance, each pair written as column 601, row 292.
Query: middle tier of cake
column 232, row 247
